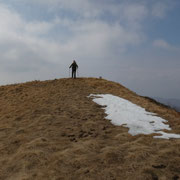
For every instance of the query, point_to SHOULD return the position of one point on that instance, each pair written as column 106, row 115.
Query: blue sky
column 133, row 42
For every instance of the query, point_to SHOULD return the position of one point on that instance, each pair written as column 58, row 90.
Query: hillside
column 51, row 130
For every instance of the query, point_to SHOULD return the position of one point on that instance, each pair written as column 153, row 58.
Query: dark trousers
column 74, row 74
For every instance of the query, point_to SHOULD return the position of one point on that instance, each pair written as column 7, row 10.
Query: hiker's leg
column 74, row 74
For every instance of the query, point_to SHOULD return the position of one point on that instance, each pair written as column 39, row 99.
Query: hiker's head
column 74, row 61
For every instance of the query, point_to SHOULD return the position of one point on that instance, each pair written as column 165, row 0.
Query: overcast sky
column 133, row 42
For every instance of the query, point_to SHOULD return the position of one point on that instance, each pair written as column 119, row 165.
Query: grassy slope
column 51, row 130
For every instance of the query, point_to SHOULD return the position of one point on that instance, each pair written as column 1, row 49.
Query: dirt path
column 51, row 130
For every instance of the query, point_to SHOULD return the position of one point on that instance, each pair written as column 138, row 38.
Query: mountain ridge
column 171, row 102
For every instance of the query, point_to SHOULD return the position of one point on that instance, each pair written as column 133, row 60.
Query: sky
column 133, row 42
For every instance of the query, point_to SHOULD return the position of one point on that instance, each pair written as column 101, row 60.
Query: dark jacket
column 74, row 66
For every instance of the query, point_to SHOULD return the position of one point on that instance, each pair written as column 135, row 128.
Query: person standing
column 74, row 67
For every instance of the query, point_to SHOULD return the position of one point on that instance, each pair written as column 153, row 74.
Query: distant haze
column 133, row 42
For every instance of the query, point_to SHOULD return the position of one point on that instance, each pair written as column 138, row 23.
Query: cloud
column 22, row 47
column 160, row 43
column 96, row 37
column 90, row 9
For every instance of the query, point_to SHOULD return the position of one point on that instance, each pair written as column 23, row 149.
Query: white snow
column 122, row 112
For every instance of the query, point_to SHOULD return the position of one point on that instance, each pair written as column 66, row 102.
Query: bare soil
column 50, row 130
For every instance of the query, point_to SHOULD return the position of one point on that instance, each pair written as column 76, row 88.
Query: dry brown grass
column 51, row 130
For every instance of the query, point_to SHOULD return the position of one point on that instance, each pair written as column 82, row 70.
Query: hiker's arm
column 70, row 66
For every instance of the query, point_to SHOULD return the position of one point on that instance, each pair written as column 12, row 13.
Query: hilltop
column 51, row 130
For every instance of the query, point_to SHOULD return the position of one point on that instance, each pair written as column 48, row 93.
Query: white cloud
column 12, row 23
column 38, row 27
column 85, row 8
column 96, row 37
column 160, row 43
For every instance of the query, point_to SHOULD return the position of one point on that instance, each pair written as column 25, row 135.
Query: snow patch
column 122, row 112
